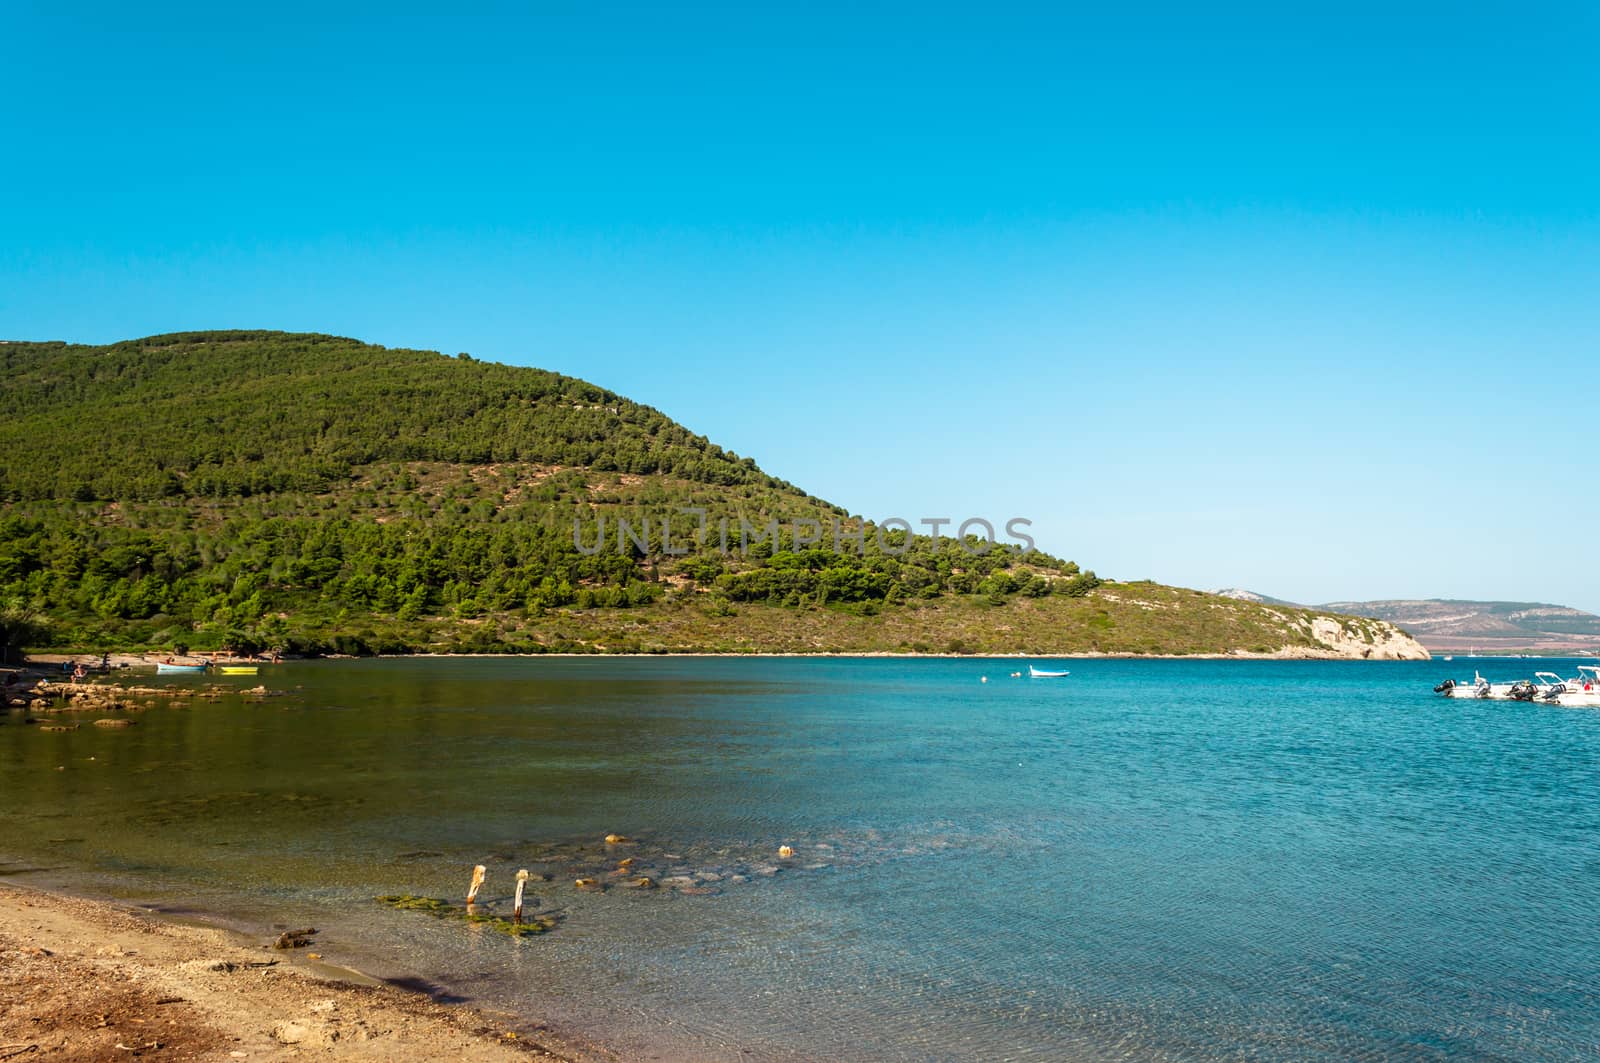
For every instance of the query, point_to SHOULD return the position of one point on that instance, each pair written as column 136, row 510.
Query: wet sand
column 92, row 981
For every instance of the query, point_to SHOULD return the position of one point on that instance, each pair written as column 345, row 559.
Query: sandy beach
column 92, row 981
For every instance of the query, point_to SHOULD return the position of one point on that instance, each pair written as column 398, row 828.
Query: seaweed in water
column 406, row 902
column 440, row 909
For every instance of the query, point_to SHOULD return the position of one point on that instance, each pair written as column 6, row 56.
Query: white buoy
column 522, row 880
column 479, row 873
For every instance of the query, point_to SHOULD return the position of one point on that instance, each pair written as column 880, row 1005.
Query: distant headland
column 1452, row 626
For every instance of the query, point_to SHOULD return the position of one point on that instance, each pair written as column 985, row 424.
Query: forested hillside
column 236, row 414
column 255, row 489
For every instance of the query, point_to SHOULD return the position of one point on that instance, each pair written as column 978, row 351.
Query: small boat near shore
column 180, row 668
column 238, row 669
column 1040, row 673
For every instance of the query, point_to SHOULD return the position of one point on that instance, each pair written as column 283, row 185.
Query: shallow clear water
column 1148, row 859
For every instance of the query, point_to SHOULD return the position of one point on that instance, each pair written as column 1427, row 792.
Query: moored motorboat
column 1039, row 673
column 1478, row 688
column 1548, row 686
column 1582, row 692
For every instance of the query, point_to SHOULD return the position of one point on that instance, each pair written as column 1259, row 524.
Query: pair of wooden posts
column 480, row 873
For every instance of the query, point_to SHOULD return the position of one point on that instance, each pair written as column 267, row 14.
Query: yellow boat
column 238, row 669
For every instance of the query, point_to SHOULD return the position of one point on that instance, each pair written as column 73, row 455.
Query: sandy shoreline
column 90, row 980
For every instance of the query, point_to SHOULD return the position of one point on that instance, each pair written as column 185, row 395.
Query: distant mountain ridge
column 1457, row 626
column 1446, row 625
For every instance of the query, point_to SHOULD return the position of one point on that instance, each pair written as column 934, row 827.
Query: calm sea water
column 1146, row 860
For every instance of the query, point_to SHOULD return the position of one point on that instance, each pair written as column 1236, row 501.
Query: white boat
column 1547, row 686
column 1037, row 673
column 1478, row 688
column 1582, row 692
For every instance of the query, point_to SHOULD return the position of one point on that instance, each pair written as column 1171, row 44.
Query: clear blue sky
column 1306, row 303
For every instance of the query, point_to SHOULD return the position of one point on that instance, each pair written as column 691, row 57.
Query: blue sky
column 1305, row 303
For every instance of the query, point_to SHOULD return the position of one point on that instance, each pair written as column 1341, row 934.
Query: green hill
column 261, row 489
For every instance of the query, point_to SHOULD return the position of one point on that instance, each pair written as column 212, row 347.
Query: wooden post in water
column 522, row 880
column 479, row 873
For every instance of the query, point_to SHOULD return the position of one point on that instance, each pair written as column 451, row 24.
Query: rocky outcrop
column 1370, row 639
column 1352, row 637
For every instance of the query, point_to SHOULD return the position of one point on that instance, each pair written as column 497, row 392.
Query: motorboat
column 1548, row 686
column 1582, row 692
column 1478, row 688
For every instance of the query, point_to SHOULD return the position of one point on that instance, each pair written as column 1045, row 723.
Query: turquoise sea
column 1153, row 859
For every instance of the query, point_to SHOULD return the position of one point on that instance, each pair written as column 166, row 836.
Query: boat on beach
column 1039, row 673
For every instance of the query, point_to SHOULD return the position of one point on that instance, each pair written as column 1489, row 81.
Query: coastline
column 92, row 980
column 148, row 660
